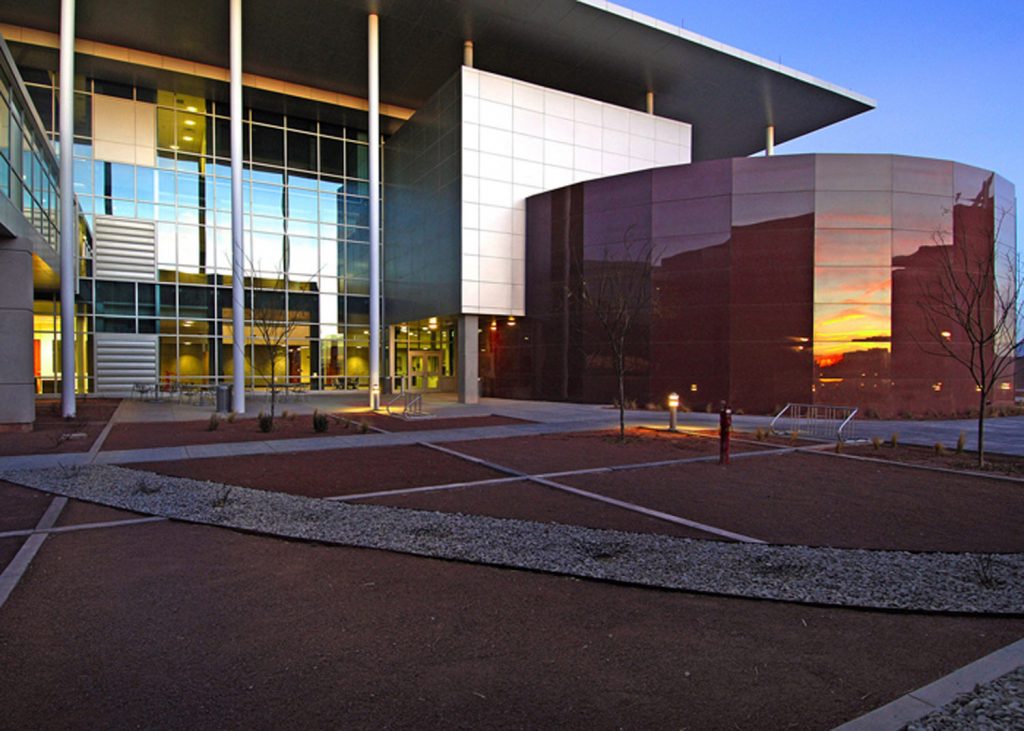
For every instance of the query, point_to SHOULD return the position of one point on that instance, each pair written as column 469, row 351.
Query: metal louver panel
column 123, row 360
column 124, row 248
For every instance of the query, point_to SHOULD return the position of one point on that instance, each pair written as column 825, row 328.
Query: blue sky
column 948, row 77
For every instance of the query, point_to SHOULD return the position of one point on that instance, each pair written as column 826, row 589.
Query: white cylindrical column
column 237, row 234
column 68, row 220
column 769, row 140
column 374, row 144
column 650, row 102
column 467, row 54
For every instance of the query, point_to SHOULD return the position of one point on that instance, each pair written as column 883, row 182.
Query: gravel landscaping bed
column 995, row 706
column 943, row 582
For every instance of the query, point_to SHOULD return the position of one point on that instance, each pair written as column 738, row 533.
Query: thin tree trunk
column 273, row 386
column 621, row 372
column 981, row 431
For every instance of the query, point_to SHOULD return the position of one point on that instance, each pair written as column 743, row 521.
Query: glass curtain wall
column 305, row 213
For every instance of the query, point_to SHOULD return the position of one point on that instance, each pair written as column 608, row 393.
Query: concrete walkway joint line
column 81, row 526
column 632, row 507
column 98, row 444
column 19, row 564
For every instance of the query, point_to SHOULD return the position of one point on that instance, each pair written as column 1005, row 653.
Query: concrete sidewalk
column 1003, row 435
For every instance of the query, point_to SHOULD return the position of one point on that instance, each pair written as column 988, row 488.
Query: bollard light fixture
column 673, row 406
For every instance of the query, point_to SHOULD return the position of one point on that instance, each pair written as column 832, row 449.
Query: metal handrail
column 43, row 147
column 839, row 432
column 17, row 86
column 821, row 421
column 400, row 395
column 413, row 406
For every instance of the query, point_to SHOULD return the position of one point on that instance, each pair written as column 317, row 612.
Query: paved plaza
column 506, row 564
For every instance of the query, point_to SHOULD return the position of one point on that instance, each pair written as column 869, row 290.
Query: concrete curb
column 921, row 702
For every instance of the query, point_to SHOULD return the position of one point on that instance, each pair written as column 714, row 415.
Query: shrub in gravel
column 231, row 417
column 939, row 449
column 266, row 422
column 984, row 570
column 213, row 423
column 894, row 440
column 961, row 441
column 363, row 426
column 876, row 442
column 319, row 422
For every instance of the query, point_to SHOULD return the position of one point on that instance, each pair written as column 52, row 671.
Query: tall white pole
column 237, row 236
column 68, row 220
column 650, row 102
column 374, row 135
column 769, row 140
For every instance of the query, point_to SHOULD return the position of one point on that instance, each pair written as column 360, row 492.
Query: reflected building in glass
column 772, row 280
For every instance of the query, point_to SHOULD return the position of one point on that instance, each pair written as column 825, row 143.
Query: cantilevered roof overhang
column 588, row 47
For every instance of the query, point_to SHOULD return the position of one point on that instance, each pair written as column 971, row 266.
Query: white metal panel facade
column 124, row 249
column 124, row 360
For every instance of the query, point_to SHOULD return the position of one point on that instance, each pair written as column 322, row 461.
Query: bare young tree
column 273, row 325
column 271, row 329
column 970, row 305
column 616, row 289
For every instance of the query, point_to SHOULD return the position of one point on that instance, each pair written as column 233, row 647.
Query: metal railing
column 816, row 421
column 29, row 172
column 412, row 403
column 29, row 169
column 413, row 406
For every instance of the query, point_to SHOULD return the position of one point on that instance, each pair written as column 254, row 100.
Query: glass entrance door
column 424, row 370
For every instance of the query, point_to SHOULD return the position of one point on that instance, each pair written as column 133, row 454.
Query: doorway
column 424, row 370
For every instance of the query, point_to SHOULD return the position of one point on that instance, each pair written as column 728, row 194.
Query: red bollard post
column 724, row 432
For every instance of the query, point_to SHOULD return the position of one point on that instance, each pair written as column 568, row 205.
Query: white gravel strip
column 944, row 582
column 994, row 706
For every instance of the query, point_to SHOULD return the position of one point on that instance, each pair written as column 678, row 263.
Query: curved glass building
column 806, row 279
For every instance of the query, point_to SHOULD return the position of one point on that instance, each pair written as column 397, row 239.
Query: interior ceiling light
column 190, row 108
column 175, row 147
column 494, row 324
column 190, row 123
column 187, row 138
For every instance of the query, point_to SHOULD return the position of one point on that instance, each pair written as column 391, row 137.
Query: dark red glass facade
column 770, row 280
